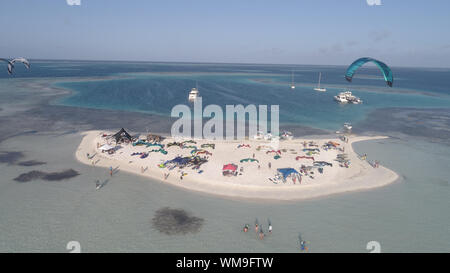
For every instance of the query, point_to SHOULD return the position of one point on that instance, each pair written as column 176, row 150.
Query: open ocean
column 410, row 215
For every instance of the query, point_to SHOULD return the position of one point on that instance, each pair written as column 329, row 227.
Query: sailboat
column 292, row 80
column 318, row 86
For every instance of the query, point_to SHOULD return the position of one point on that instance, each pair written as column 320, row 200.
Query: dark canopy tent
column 122, row 135
column 285, row 172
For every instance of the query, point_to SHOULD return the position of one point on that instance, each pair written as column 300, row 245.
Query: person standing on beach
column 270, row 165
column 270, row 228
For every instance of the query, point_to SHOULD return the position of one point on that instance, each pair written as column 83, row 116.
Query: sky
column 326, row 32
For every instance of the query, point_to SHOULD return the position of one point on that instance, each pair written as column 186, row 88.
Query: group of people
column 376, row 164
column 261, row 234
column 259, row 230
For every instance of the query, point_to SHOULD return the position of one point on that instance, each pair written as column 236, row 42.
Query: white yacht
column 355, row 100
column 287, row 135
column 318, row 86
column 194, row 94
column 347, row 97
column 341, row 97
column 348, row 126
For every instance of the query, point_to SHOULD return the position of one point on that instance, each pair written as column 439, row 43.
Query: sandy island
column 254, row 182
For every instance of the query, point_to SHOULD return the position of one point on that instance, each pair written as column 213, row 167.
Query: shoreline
column 253, row 183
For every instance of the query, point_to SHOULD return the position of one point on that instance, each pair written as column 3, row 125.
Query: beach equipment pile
column 305, row 157
column 243, row 146
column 208, row 145
column 322, row 164
column 249, row 160
column 183, row 162
column 178, row 144
column 148, row 144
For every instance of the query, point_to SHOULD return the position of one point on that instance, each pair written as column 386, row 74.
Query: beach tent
column 106, row 147
column 229, row 169
column 285, row 172
column 122, row 135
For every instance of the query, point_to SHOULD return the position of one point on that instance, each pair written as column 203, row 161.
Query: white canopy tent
column 106, row 147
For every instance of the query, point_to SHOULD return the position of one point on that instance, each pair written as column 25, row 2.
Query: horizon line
column 222, row 63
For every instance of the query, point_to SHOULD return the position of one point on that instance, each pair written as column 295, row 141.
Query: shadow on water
column 176, row 221
column 31, row 163
column 10, row 157
column 53, row 176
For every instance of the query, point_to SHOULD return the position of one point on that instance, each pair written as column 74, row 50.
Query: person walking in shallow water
column 261, row 234
column 111, row 171
column 246, row 228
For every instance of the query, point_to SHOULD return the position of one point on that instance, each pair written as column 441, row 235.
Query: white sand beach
column 253, row 182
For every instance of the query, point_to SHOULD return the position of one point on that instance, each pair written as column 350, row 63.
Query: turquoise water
column 158, row 92
column 410, row 215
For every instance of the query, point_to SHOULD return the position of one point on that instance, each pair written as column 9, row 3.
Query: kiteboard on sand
column 98, row 185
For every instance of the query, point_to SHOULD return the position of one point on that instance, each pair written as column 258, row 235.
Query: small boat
column 287, row 135
column 348, row 126
column 194, row 94
column 292, row 80
column 318, row 88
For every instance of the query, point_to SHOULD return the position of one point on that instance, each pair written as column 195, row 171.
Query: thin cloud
column 378, row 36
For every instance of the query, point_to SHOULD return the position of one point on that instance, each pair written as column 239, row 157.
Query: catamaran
column 347, row 97
column 292, row 80
column 318, row 86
